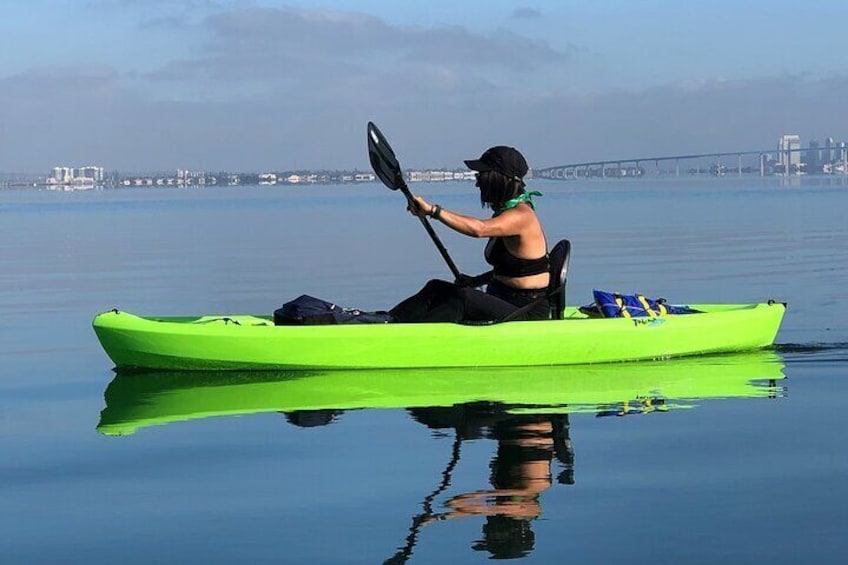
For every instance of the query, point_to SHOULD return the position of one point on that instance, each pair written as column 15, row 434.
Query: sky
column 267, row 85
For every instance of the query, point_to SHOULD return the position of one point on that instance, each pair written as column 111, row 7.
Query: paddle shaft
column 386, row 166
column 451, row 265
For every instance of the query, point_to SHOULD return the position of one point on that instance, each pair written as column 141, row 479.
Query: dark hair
column 497, row 188
column 506, row 538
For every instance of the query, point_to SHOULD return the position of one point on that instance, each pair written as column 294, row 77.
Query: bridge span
column 760, row 162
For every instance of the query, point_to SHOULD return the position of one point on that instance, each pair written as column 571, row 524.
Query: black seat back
column 560, row 255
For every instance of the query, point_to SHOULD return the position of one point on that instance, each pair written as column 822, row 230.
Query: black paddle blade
column 383, row 159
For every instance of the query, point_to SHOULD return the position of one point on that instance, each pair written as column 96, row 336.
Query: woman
column 517, row 251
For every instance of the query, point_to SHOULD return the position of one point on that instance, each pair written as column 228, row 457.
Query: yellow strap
column 621, row 306
column 644, row 302
column 661, row 309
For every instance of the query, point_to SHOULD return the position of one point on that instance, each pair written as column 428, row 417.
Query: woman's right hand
column 419, row 207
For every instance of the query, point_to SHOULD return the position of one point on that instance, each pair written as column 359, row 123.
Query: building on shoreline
column 830, row 159
column 80, row 178
column 789, row 154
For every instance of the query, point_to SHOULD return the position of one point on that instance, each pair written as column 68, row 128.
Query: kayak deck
column 255, row 343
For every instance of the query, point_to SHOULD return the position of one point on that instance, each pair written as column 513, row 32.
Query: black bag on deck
column 307, row 310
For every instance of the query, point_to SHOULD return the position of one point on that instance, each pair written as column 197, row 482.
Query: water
column 735, row 458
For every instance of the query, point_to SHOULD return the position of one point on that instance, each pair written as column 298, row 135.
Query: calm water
column 738, row 459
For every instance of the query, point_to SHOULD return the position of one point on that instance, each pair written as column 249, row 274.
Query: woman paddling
column 517, row 251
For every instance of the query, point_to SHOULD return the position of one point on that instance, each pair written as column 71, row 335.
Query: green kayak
column 136, row 401
column 255, row 343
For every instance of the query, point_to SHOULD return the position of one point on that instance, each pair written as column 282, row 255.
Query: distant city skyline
column 250, row 85
column 790, row 152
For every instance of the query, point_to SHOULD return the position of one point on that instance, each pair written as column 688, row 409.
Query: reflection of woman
column 520, row 471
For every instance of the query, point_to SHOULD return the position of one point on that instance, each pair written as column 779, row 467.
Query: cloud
column 66, row 117
column 34, row 83
column 288, row 45
column 147, row 5
column 166, row 23
column 711, row 116
column 526, row 13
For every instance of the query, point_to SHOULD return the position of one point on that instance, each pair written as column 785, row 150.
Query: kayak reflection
column 139, row 400
column 524, row 410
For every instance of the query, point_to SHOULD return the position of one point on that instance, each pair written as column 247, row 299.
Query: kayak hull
column 255, row 343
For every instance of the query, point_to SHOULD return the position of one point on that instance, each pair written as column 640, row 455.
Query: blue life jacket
column 616, row 305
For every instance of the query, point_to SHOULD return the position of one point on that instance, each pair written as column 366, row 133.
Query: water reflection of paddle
column 404, row 553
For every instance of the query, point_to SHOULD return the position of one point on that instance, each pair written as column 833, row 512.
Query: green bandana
column 524, row 197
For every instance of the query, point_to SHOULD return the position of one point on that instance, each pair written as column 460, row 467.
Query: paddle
column 387, row 168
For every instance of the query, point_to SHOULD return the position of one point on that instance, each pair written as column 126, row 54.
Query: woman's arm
column 511, row 222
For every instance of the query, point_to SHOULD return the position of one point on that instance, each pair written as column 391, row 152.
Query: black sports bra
column 507, row 264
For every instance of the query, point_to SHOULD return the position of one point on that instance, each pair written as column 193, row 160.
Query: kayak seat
column 559, row 256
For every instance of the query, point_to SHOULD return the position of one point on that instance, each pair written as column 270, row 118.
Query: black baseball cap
column 502, row 159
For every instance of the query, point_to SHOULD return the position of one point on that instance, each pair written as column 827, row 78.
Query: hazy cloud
column 277, row 89
column 184, row 5
column 167, row 23
column 713, row 116
column 273, row 44
column 526, row 13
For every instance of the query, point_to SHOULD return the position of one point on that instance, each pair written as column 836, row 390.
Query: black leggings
column 442, row 301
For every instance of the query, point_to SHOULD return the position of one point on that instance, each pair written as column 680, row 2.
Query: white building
column 268, row 178
column 91, row 172
column 61, row 175
column 789, row 154
column 80, row 177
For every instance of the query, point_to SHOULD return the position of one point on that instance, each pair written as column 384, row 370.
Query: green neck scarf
column 523, row 197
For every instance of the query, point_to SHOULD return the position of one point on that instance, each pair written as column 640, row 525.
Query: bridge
column 719, row 164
